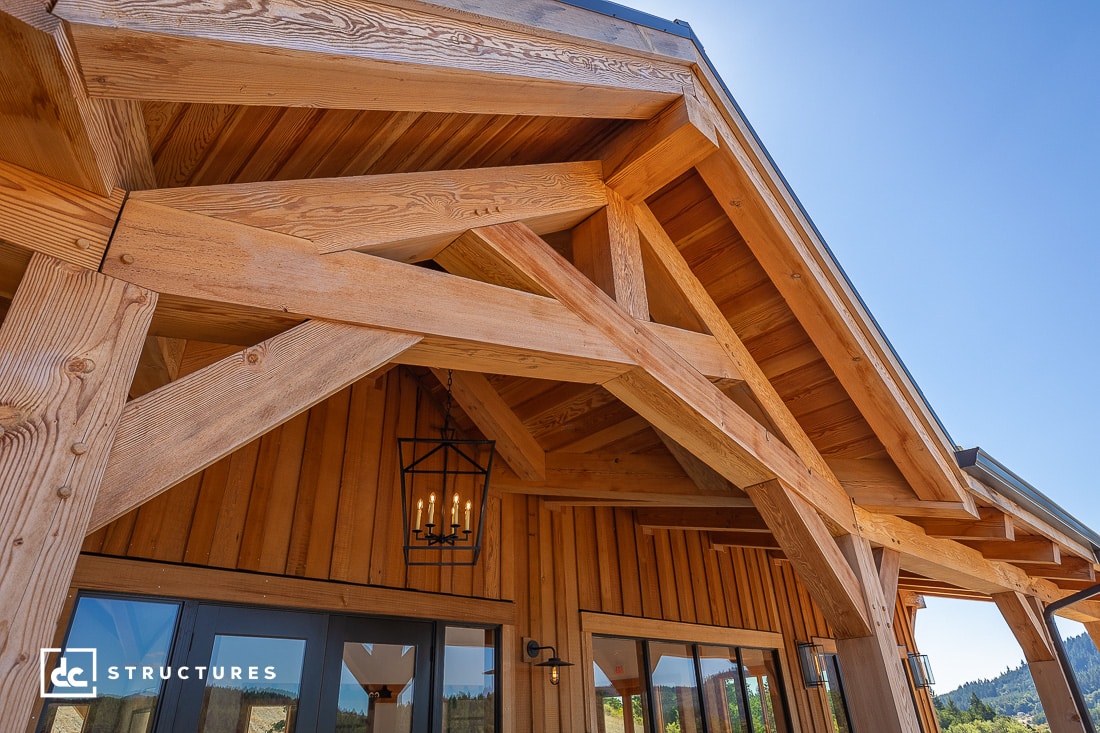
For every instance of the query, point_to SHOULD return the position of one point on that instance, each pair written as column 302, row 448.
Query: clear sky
column 949, row 152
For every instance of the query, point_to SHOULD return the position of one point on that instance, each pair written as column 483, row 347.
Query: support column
column 68, row 350
column 874, row 679
column 1024, row 615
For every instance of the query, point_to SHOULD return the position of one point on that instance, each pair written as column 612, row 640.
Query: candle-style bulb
column 454, row 511
column 469, row 505
column 419, row 511
column 431, row 510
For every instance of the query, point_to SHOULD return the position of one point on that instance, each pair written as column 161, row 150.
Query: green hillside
column 1013, row 693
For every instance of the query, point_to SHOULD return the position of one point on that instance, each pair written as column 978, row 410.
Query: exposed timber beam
column 1070, row 568
column 41, row 214
column 1024, row 615
column 619, row 480
column 888, row 563
column 877, row 688
column 159, row 365
column 48, row 124
column 817, row 292
column 670, row 259
column 1020, row 550
column 816, row 558
column 402, row 216
column 744, row 519
column 666, row 390
column 607, row 249
column 495, row 419
column 68, row 349
column 992, row 524
column 234, row 400
column 705, row 477
column 758, row 540
column 176, row 252
column 877, row 485
column 954, row 562
column 650, row 154
column 355, row 55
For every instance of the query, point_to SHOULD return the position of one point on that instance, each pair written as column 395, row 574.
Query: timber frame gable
column 269, row 220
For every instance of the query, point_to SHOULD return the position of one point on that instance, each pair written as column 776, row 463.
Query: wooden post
column 1024, row 615
column 68, row 350
column 877, row 687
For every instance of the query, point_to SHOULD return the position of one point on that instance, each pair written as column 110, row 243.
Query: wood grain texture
column 58, row 219
column 68, row 350
column 821, row 567
column 403, row 216
column 667, row 391
column 810, row 282
column 194, row 421
column 1024, row 615
column 607, row 249
column 876, row 685
column 991, row 524
column 48, row 124
column 649, row 154
column 355, row 56
column 496, row 421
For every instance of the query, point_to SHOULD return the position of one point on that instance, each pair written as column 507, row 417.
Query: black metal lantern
column 921, row 670
column 444, row 494
column 811, row 659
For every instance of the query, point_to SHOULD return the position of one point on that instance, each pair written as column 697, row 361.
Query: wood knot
column 17, row 542
column 252, row 356
column 23, row 658
column 80, row 366
column 11, row 417
column 65, row 492
column 735, row 203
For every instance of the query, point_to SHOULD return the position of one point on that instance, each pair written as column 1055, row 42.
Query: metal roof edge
column 984, row 467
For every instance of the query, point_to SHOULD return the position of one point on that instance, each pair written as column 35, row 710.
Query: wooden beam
column 779, row 415
column 495, row 419
column 616, row 479
column 355, row 55
column 1070, row 568
column 1024, row 615
column 48, row 124
column 888, row 563
column 1093, row 629
column 402, row 216
column 705, row 477
column 1024, row 549
column 607, row 249
column 648, row 155
column 816, row 558
column 117, row 575
column 875, row 682
column 812, row 284
column 180, row 429
column 746, row 519
column 175, row 253
column 667, row 391
column 68, row 349
column 58, row 219
column 724, row 540
column 159, row 365
column 992, row 524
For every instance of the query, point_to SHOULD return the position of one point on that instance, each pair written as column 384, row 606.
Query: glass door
column 251, row 670
column 377, row 676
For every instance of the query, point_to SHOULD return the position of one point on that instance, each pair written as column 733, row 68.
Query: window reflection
column 834, row 691
column 377, row 682
column 129, row 636
column 621, row 699
column 676, row 692
column 252, row 684
column 722, row 683
column 765, row 702
column 469, row 680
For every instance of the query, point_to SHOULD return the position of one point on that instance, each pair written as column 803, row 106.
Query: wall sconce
column 811, row 660
column 444, row 494
column 555, row 663
column 921, row 671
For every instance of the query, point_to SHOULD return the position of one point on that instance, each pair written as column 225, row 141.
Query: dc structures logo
column 73, row 675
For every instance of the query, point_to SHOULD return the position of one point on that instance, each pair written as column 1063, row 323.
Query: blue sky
column 949, row 152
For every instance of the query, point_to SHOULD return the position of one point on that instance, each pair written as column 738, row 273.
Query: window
column 673, row 687
column 834, row 692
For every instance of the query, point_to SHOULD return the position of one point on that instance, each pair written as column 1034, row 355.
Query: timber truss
column 157, row 205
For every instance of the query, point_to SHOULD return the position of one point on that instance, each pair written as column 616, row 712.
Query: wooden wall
column 319, row 497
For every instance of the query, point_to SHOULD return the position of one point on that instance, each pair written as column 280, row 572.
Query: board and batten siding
column 319, row 498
